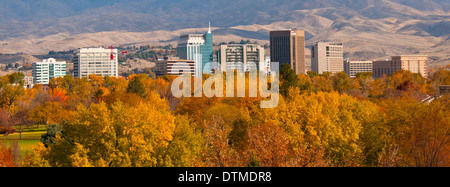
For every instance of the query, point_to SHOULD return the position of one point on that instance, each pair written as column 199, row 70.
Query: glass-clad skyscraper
column 197, row 47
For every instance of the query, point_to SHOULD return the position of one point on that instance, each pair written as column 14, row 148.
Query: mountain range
column 369, row 29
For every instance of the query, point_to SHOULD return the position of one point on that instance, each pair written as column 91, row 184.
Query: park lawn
column 30, row 137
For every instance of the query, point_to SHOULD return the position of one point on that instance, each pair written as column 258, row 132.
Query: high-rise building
column 174, row 66
column 44, row 71
column 229, row 57
column 327, row 57
column 197, row 47
column 354, row 67
column 288, row 47
column 413, row 63
column 96, row 61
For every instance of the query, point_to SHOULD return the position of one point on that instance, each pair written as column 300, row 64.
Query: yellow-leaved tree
column 320, row 121
column 117, row 135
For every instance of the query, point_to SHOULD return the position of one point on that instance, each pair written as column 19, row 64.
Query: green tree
column 365, row 81
column 341, row 82
column 48, row 139
column 136, row 86
column 288, row 79
column 17, row 78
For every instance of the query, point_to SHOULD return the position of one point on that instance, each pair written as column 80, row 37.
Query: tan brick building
column 412, row 63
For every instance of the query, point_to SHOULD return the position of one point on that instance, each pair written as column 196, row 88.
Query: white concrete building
column 249, row 55
column 327, row 57
column 44, row 71
column 96, row 61
column 354, row 67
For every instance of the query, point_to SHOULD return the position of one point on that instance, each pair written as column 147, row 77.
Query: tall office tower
column 413, row 63
column 229, row 55
column 197, row 47
column 288, row 46
column 44, row 71
column 327, row 57
column 96, row 61
column 354, row 67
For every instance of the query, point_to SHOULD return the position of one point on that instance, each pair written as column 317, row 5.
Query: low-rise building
column 28, row 82
column 413, row 63
column 354, row 67
column 174, row 66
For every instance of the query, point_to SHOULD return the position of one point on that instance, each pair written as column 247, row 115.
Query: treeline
column 321, row 120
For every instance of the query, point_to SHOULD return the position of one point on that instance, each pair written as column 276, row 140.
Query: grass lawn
column 30, row 137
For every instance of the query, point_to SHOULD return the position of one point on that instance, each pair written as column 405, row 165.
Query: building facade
column 413, row 63
column 288, row 47
column 197, row 47
column 267, row 64
column 174, row 66
column 43, row 72
column 327, row 57
column 28, row 80
column 96, row 61
column 354, row 67
column 231, row 56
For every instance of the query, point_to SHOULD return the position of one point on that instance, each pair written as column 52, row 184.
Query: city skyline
column 223, row 92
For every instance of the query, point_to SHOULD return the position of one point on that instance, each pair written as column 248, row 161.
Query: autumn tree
column 22, row 118
column 440, row 77
column 118, row 135
column 114, row 84
column 269, row 144
column 305, row 83
column 5, row 122
column 322, row 83
column 10, row 93
column 424, row 134
column 218, row 152
column 49, row 113
column 184, row 150
column 6, row 156
column 364, row 81
column 405, row 83
column 341, row 82
column 323, row 120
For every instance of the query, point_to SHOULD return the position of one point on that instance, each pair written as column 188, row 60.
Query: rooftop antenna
column 209, row 30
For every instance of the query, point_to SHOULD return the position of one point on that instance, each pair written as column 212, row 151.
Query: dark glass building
column 288, row 47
